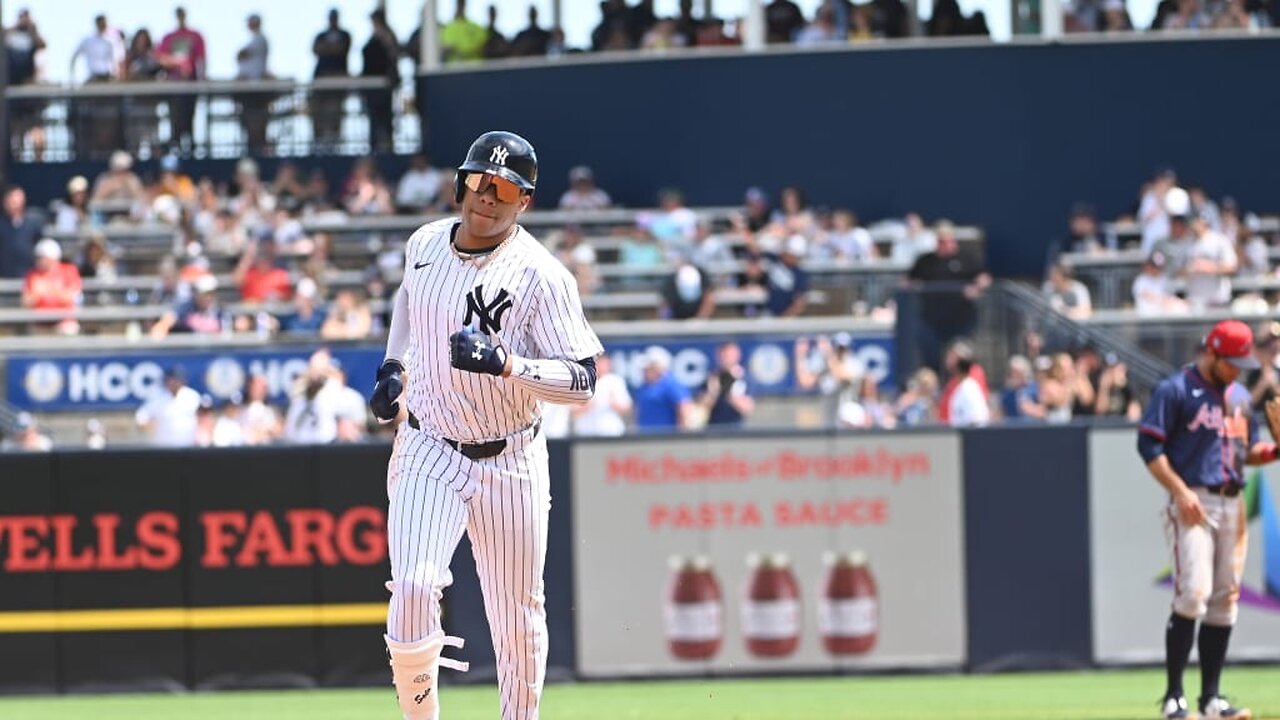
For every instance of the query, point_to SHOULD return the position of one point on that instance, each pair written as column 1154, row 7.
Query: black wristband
column 389, row 368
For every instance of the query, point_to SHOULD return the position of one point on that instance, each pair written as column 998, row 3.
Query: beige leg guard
column 415, row 668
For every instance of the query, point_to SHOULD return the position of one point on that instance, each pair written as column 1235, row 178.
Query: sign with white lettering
column 697, row 555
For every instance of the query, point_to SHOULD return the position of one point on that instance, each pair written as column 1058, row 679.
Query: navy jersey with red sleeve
column 1206, row 431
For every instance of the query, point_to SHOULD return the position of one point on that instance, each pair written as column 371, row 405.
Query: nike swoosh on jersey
column 419, row 266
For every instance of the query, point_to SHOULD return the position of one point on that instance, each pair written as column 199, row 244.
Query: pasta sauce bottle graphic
column 693, row 610
column 848, row 609
column 771, row 607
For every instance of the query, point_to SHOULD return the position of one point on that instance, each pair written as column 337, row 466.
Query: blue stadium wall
column 1005, row 137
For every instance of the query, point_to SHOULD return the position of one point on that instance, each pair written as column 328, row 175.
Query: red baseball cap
column 1232, row 341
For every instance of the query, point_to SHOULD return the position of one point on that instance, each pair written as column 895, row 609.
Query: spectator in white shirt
column 206, row 419
column 169, row 416
column 103, row 52
column 1152, row 215
column 1066, row 294
column 831, row 365
column 583, row 193
column 605, row 413
column 1177, row 241
column 312, row 418
column 419, row 186
column 251, row 60
column 710, row 251
column 1210, row 263
column 847, row 241
column 353, row 414
column 227, row 430
column 673, row 226
column 259, row 420
column 968, row 404
column 255, row 108
column 916, row 240
column 1152, row 294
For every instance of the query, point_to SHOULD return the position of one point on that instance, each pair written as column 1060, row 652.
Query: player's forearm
column 563, row 382
column 1261, row 453
column 1164, row 474
column 398, row 333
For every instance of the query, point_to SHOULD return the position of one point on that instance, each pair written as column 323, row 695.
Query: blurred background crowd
column 152, row 245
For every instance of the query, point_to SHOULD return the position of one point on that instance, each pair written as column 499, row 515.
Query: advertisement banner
column 173, row 569
column 697, row 555
column 124, row 381
column 1132, row 561
column 170, row 569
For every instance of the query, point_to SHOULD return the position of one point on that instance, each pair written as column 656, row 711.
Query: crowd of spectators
column 109, row 53
column 281, row 274
column 254, row 226
column 1196, row 253
column 321, row 408
column 1109, row 16
column 1038, row 387
column 759, row 262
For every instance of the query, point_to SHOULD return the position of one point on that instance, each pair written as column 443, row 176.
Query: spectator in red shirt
column 258, row 276
column 959, row 350
column 52, row 284
column 181, row 52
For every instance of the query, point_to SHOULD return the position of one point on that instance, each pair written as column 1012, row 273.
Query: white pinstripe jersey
column 520, row 295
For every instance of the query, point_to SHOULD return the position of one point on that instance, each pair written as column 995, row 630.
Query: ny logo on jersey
column 489, row 313
column 499, row 155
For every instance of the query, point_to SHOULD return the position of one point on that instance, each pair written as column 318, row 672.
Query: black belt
column 474, row 451
column 1224, row 490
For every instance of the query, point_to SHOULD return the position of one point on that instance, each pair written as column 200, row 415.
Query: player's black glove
column 385, row 391
column 472, row 351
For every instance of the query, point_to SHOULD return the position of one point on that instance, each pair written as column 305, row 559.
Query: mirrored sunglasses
column 507, row 191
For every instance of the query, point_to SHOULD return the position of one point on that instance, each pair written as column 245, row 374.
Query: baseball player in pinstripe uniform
column 1196, row 437
column 487, row 326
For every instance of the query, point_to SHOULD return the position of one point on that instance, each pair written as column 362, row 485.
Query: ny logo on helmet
column 499, row 155
column 489, row 313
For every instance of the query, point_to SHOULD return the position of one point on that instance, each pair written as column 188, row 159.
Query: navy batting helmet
column 500, row 153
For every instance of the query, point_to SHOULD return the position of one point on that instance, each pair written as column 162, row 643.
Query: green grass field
column 1126, row 695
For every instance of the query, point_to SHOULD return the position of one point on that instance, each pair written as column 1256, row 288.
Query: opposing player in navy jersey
column 487, row 326
column 1196, row 437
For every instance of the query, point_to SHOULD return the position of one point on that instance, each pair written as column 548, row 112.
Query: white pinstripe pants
column 502, row 503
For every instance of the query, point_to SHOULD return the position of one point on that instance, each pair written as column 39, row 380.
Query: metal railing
column 214, row 119
column 1011, row 310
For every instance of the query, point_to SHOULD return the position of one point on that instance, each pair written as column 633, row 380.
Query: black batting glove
column 473, row 351
column 386, row 390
